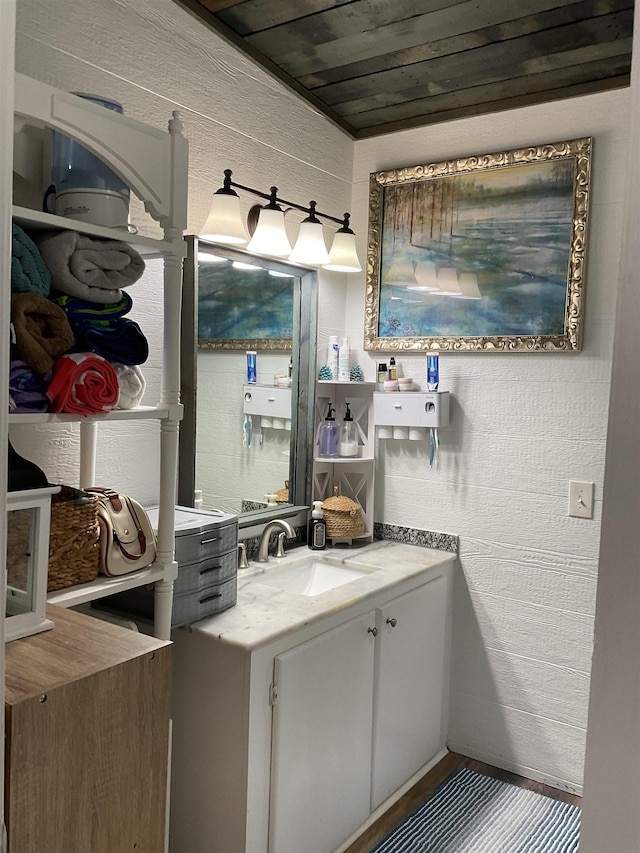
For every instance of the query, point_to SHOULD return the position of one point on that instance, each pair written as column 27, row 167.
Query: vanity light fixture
column 266, row 224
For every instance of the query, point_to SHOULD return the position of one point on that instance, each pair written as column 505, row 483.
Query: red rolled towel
column 83, row 383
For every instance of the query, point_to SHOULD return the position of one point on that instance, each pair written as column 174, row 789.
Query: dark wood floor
column 421, row 790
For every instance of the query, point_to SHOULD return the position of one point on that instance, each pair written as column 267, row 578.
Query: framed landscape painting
column 482, row 253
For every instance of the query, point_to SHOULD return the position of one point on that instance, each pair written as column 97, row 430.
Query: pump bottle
column 348, row 435
column 317, row 538
column 329, row 437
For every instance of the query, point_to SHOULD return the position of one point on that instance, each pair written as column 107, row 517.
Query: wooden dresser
column 87, row 738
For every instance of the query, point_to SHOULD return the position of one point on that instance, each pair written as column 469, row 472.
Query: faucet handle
column 242, row 556
column 282, row 537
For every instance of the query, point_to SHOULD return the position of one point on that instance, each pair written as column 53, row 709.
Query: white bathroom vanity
column 300, row 715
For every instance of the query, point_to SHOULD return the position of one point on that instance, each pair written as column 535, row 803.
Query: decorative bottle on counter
column 317, row 539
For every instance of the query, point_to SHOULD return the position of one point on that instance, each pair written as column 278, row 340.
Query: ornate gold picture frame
column 483, row 253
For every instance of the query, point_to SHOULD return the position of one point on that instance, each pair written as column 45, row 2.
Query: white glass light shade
column 310, row 248
column 401, row 274
column 469, row 286
column 448, row 282
column 426, row 275
column 270, row 237
column 224, row 223
column 343, row 256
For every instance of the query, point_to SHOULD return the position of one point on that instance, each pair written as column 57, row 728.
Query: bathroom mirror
column 232, row 451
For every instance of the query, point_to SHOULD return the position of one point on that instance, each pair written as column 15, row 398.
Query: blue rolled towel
column 120, row 340
column 29, row 273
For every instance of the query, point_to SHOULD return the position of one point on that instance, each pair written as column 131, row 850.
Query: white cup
column 401, row 432
column 278, row 423
column 417, row 433
column 266, row 422
column 385, row 432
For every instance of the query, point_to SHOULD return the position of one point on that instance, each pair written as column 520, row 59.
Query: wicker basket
column 342, row 516
column 282, row 495
column 73, row 539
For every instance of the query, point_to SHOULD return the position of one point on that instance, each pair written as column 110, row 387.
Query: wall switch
column 581, row 499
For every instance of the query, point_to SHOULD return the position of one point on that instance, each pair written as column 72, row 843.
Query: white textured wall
column 522, row 426
column 611, row 819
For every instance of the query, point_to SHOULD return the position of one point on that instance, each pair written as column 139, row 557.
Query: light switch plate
column 580, row 499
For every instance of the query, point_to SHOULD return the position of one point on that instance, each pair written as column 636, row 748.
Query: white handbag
column 127, row 540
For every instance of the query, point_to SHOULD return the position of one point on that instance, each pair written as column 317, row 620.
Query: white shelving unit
column 154, row 165
column 354, row 475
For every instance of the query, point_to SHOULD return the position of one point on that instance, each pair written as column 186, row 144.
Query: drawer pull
column 208, row 541
column 210, row 597
column 397, row 406
column 209, row 569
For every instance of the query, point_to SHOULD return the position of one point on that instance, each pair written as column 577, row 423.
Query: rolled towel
column 119, row 340
column 89, row 267
column 78, row 310
column 132, row 385
column 83, row 384
column 42, row 330
column 29, row 273
column 27, row 390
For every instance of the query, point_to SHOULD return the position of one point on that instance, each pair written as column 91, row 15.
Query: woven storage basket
column 282, row 495
column 73, row 539
column 342, row 516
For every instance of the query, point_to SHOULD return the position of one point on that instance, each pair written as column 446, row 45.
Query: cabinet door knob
column 393, row 622
column 373, row 631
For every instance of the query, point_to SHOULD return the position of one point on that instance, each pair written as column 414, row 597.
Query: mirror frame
column 303, row 381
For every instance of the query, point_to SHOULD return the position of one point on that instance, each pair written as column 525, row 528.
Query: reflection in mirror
column 245, row 446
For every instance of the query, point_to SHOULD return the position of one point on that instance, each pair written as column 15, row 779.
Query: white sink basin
column 311, row 576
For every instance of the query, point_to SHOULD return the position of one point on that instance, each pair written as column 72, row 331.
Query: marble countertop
column 263, row 613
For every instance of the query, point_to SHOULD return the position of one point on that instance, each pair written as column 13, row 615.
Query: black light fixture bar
column 273, row 197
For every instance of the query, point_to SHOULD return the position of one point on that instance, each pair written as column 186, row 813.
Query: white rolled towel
column 132, row 385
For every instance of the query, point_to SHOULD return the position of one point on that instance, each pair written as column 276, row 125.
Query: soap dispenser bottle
column 329, row 438
column 317, row 539
column 348, row 435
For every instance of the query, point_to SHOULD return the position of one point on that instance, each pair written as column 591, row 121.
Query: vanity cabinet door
column 321, row 752
column 409, row 686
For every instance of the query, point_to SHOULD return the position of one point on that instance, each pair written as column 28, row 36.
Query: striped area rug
column 472, row 813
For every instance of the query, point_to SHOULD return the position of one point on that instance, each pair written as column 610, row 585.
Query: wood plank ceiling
column 375, row 66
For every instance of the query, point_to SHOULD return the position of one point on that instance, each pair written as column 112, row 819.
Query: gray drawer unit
column 201, row 534
column 187, row 608
column 206, row 544
column 197, row 576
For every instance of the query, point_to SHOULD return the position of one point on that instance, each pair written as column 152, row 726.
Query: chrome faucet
column 263, row 546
